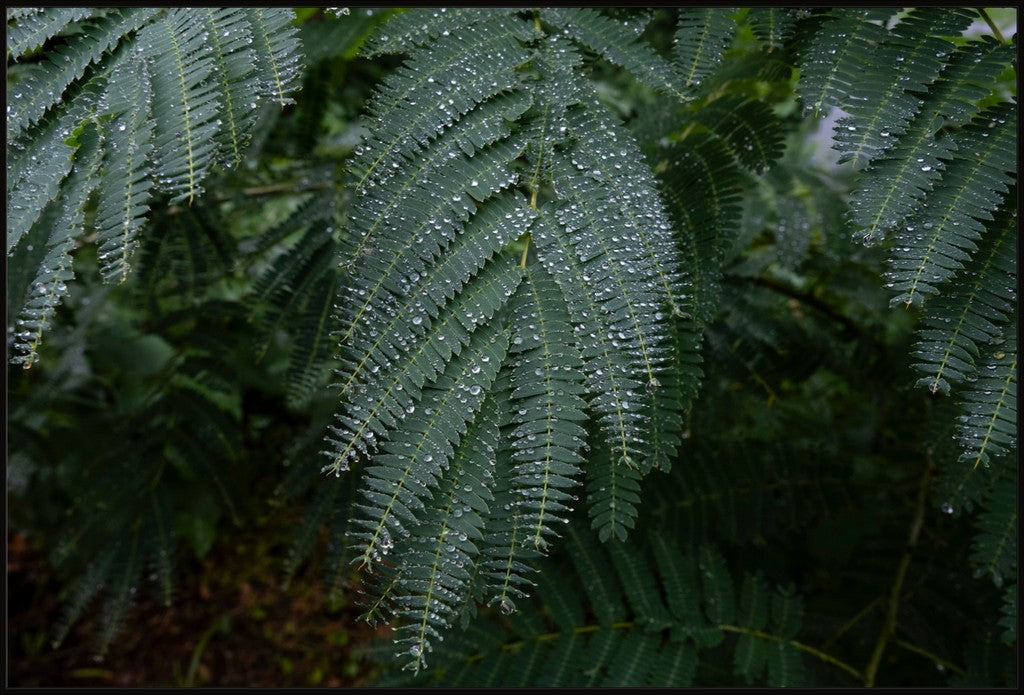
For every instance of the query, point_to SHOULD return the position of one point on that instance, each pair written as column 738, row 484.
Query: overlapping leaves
column 510, row 254
column 164, row 95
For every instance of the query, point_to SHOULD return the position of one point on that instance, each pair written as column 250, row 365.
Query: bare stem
column 827, row 658
column 928, row 655
column 991, row 25
column 889, row 626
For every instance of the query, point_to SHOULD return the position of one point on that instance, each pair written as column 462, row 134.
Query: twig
column 928, row 655
column 991, row 25
column 851, row 622
column 889, row 626
column 827, row 658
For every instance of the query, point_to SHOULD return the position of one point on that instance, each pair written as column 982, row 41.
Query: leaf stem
column 991, row 25
column 526, row 250
column 827, row 658
column 889, row 626
column 939, row 661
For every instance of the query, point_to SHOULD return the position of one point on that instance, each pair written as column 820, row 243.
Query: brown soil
column 231, row 624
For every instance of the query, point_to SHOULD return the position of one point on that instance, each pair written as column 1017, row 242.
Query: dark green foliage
column 619, row 398
column 961, row 322
column 906, row 60
column 701, row 38
column 631, row 625
column 163, row 103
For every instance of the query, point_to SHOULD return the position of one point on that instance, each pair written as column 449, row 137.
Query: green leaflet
column 419, row 26
column 964, row 320
column 385, row 276
column 124, row 192
column 596, row 625
column 702, row 194
column 231, row 35
column 830, row 68
column 619, row 44
column 772, row 25
column 546, row 387
column 55, row 271
column 186, row 104
column 437, row 557
column 44, row 85
column 30, row 31
column 751, row 655
column 748, row 127
column 884, row 99
column 993, row 549
column 413, row 459
column 392, row 384
column 701, row 38
column 988, row 428
column 170, row 90
column 937, row 241
column 894, row 185
column 278, row 54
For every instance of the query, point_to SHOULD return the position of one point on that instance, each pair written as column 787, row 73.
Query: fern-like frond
column 398, row 263
column 994, row 547
column 989, row 427
column 437, row 558
column 937, row 241
column 894, row 185
column 278, row 54
column 46, row 83
column 615, row 169
column 412, row 107
column 31, row 31
column 751, row 655
column 885, row 97
column 830, row 67
column 418, row 26
column 124, row 191
column 613, row 493
column 432, row 328
column 620, row 44
column 157, row 83
column 546, row 393
column 506, row 548
column 701, row 38
column 748, row 127
column 413, row 460
column 36, row 167
column 969, row 316
column 185, row 101
column 231, row 35
column 609, row 368
column 314, row 337
column 611, row 621
column 55, row 271
column 702, row 192
column 488, row 148
column 772, row 25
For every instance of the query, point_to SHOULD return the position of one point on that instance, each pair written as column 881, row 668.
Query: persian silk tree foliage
column 934, row 136
column 125, row 106
column 514, row 281
column 548, row 214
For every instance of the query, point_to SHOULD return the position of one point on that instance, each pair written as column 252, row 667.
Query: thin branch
column 810, row 300
column 939, row 661
column 851, row 622
column 827, row 658
column 991, row 25
column 889, row 626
